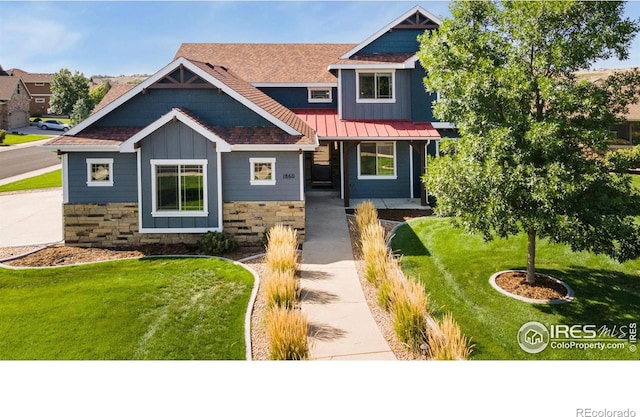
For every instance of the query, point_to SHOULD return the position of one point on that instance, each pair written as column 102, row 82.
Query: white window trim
column 40, row 100
column 380, row 177
column 376, row 100
column 95, row 183
column 320, row 100
column 253, row 162
column 39, row 84
column 176, row 213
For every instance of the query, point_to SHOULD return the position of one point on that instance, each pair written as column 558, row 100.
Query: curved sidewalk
column 341, row 323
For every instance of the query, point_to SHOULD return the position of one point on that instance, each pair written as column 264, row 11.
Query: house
column 232, row 136
column 14, row 103
column 39, row 86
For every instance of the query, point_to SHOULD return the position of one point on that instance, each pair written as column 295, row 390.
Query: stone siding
column 116, row 224
column 248, row 220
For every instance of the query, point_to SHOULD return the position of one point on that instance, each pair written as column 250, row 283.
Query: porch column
column 345, row 179
column 421, row 148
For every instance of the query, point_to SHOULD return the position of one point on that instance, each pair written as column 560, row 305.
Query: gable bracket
column 417, row 21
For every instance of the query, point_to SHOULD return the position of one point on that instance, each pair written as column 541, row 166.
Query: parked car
column 53, row 125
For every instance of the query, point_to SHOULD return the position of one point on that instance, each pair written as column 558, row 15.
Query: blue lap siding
column 124, row 189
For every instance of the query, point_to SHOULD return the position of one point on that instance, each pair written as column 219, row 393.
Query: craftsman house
column 39, row 87
column 231, row 137
column 14, row 102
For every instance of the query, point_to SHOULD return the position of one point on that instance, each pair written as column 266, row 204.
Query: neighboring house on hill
column 231, row 137
column 14, row 103
column 39, row 86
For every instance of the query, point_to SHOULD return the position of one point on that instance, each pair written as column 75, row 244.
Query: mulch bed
column 545, row 288
column 58, row 255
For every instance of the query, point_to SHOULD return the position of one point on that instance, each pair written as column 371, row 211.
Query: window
column 179, row 188
column 100, row 172
column 40, row 100
column 263, row 171
column 39, row 84
column 320, row 95
column 375, row 87
column 377, row 160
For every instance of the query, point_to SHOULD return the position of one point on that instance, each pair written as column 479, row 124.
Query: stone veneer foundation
column 116, row 224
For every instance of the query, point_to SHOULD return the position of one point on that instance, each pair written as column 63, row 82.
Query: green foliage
column 217, row 243
column 3, row 134
column 81, row 110
column 49, row 180
column 66, row 90
column 530, row 132
column 97, row 93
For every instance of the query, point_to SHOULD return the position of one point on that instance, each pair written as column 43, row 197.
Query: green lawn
column 456, row 267
column 133, row 309
column 635, row 181
column 12, row 139
column 49, row 180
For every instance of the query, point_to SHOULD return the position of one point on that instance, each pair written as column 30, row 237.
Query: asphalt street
column 22, row 160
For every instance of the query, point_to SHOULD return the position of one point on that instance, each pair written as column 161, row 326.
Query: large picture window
column 377, row 160
column 179, row 188
column 375, row 86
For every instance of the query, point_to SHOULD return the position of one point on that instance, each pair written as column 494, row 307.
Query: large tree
column 532, row 136
column 66, row 90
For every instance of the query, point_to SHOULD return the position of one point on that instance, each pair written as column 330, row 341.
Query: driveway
column 30, row 217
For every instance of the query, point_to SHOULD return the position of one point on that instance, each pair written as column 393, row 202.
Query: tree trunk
column 531, row 257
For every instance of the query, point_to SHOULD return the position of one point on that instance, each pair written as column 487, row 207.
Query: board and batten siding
column 395, row 41
column 236, row 176
column 381, row 188
column 124, row 189
column 177, row 141
column 212, row 107
column 400, row 110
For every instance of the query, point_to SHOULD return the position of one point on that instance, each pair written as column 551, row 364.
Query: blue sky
column 123, row 37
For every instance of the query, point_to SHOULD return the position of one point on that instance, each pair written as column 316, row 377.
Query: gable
column 399, row 36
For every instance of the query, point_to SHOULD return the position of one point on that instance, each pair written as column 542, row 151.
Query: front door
column 321, row 172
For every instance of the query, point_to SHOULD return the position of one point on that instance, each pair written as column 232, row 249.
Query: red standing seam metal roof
column 328, row 125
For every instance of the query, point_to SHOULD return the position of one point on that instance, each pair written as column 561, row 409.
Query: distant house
column 232, row 136
column 14, row 103
column 39, row 86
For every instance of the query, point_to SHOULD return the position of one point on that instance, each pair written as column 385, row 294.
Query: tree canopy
column 532, row 149
column 66, row 90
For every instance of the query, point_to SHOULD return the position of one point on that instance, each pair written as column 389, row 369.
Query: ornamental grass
column 365, row 214
column 374, row 252
column 281, row 289
column 282, row 249
column 287, row 334
column 409, row 313
column 446, row 341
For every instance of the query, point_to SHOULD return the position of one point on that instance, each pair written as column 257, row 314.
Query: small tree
column 532, row 134
column 97, row 93
column 81, row 110
column 66, row 90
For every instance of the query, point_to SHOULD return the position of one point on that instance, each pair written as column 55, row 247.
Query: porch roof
column 328, row 125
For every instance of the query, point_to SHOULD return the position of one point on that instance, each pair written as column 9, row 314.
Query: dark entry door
column 321, row 174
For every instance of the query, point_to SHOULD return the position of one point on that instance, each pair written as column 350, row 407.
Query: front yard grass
column 455, row 268
column 156, row 308
column 49, row 180
column 13, row 139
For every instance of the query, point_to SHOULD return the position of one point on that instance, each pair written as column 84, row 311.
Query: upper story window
column 375, row 87
column 320, row 95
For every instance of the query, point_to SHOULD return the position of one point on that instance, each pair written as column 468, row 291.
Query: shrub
column 409, row 315
column 281, row 289
column 287, row 334
column 390, row 287
column 446, row 341
column 365, row 214
column 282, row 249
column 217, row 243
column 374, row 252
column 3, row 135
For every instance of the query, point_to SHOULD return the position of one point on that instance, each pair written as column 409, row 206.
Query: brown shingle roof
column 8, row 87
column 97, row 136
column 270, row 63
column 114, row 92
column 29, row 77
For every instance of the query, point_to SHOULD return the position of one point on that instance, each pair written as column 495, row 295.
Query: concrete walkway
column 332, row 299
column 31, row 218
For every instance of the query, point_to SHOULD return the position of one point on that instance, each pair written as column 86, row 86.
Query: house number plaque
column 288, row 176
